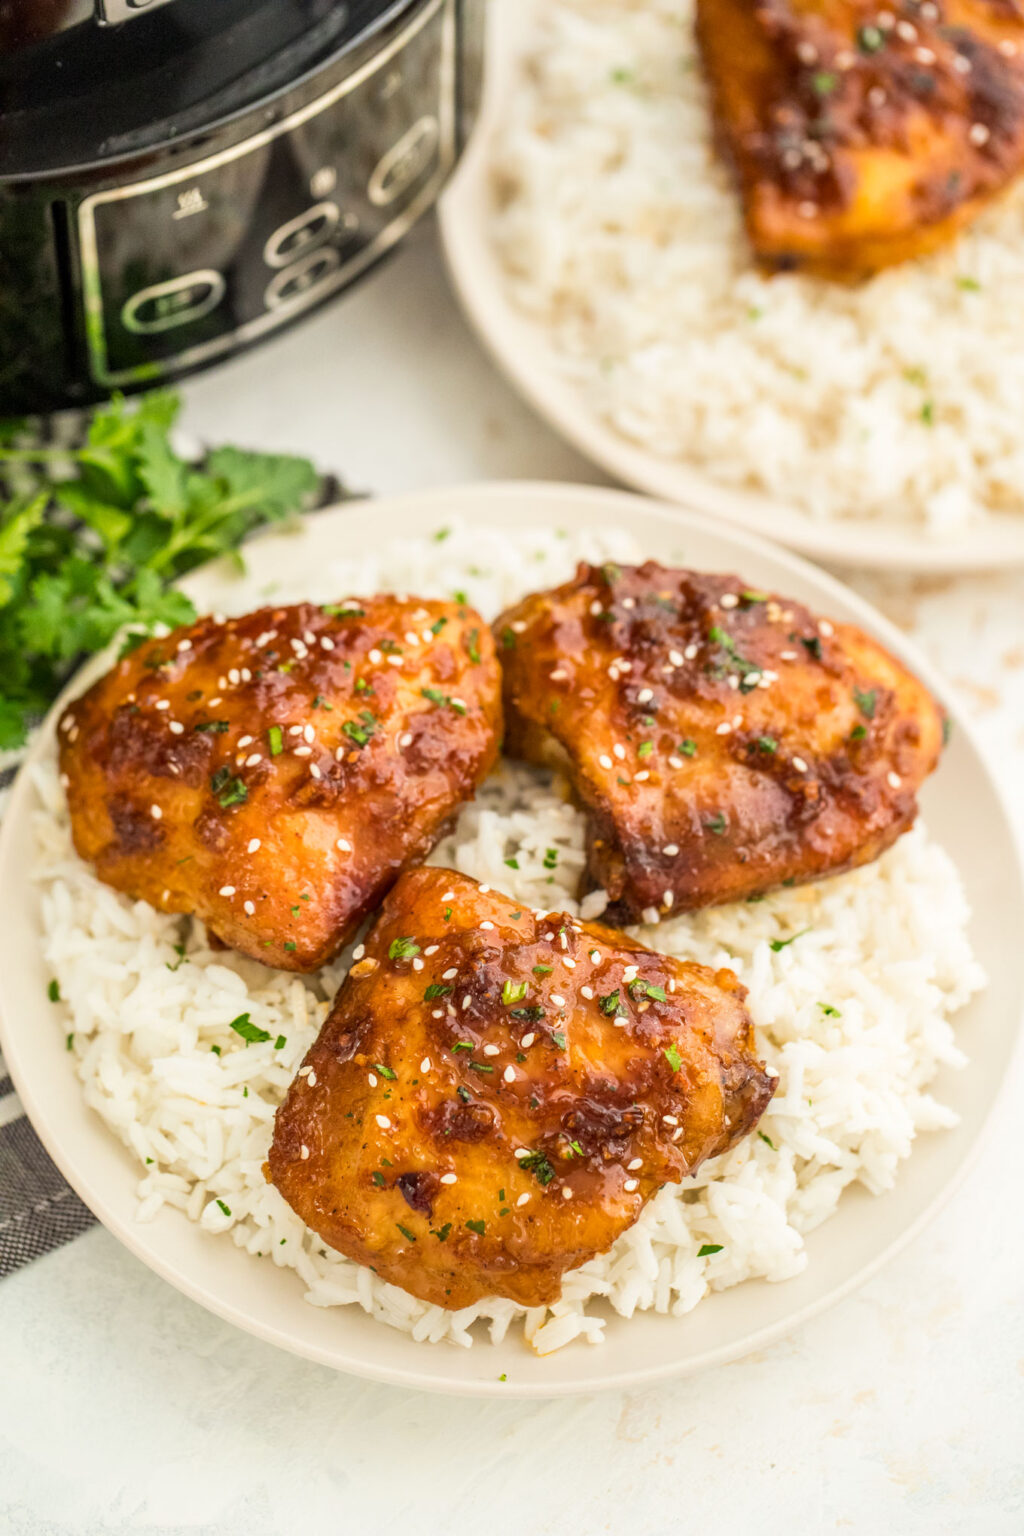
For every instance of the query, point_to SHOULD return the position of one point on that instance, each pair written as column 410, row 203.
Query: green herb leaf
column 538, row 1164
column 542, row 970
column 709, row 1248
column 250, row 1033
column 529, row 1015
column 866, row 702
column 385, row 1072
column 688, row 747
column 275, row 740
column 513, row 992
column 829, row 1011
column 442, row 1232
column 436, row 989
column 378, row 1178
column 53, row 991
column 403, row 949
column 777, row 944
column 411, row 1236
column 718, row 824
column 478, row 1227
column 673, row 1058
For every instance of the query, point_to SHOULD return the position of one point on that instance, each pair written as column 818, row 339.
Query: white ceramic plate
column 522, row 349
column 963, row 810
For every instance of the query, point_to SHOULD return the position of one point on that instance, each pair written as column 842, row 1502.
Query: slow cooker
column 181, row 178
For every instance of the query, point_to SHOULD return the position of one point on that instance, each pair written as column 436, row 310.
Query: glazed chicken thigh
column 724, row 741
column 862, row 134
column 275, row 773
column 496, row 1094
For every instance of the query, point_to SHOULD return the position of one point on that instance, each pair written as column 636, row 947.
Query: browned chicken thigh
column 724, row 741
column 275, row 773
column 496, row 1094
column 862, row 134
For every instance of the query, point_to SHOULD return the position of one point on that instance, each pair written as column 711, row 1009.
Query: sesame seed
column 605, row 760
column 417, row 964
column 979, row 134
column 448, row 896
column 645, row 695
column 411, row 637
column 566, row 1192
column 787, row 655
column 521, row 1152
column 630, row 973
column 642, row 777
column 570, row 965
column 312, row 1078
column 670, row 1119
column 405, row 740
column 587, row 992
column 825, row 628
column 729, row 600
column 509, row 1074
column 395, row 661
column 559, row 675
column 175, row 727
column 359, row 952
column 243, row 741
column 304, row 1152
column 376, row 657
column 383, row 1122
column 306, row 751
column 675, row 762
column 523, row 1199
column 690, row 652
column 492, row 1050
column 308, row 734
column 519, row 626
column 650, row 915
column 487, row 925
column 670, row 850
column 677, row 1133
column 484, row 890
column 799, row 765
column 668, row 900
column 437, row 1013
column 449, row 1178
column 630, row 1185
column 596, row 608
column 343, row 845
column 466, row 1001
column 295, row 730
column 309, row 637
column 806, row 52
column 876, row 96
column 371, row 1078
column 558, row 999
column 234, row 676
column 250, row 908
column 253, row 759
column 450, row 974
column 619, row 750
column 155, row 812
column 807, row 210
column 226, row 890
column 675, row 657
column 184, row 645
column 527, row 1040
column 906, row 31
column 326, row 643
column 425, row 1064
column 894, row 780
column 723, row 729
column 636, row 1163
column 962, row 64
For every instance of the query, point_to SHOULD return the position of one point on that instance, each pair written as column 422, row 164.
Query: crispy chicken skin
column 864, row 134
column 275, row 773
column 495, row 1096
column 723, row 741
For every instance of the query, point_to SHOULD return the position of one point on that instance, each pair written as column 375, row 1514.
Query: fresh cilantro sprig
column 91, row 539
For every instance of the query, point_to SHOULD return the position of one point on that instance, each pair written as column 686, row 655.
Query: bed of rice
column 621, row 235
column 854, row 1016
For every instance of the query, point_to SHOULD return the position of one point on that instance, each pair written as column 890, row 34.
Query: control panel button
column 404, row 162
column 296, row 280
column 301, row 234
column 163, row 306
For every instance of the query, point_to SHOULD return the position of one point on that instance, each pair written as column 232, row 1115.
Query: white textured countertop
column 126, row 1408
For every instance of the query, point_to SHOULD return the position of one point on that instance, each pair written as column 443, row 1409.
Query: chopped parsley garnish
column 290, row 946
column 478, row 1227
column 512, row 863
column 673, row 1058
column 777, row 944
column 755, row 597
column 575, row 1148
column 542, row 970
column 645, row 749
column 215, row 1050
column 472, row 646
column 767, row 1140
column 947, row 730
column 768, row 744
column 280, row 1042
column 824, row 82
column 688, row 747
column 641, row 988
column 463, row 1045
column 464, row 1094
column 53, row 991
column 480, row 1066
column 438, row 625
column 829, row 1011
column 219, row 726
column 362, row 732
column 928, row 413
column 870, row 39
column 443, row 699
column 275, row 740
column 867, row 702
column 405, row 1232
column 403, row 949
column 558, row 1038
column 69, row 1042
column 812, row 645
column 441, row 535
column 707, row 1249
column 749, row 672
column 513, row 992
column 508, row 639
column 969, row 284
column 441, row 1233
column 378, row 1178
column 225, row 1208
column 718, row 824
column 436, row 989
column 361, row 686
column 250, row 1033
column 529, row 1015
column 179, row 950
column 385, row 1072
column 538, row 1164
column 858, row 733
column 228, row 789
column 448, row 914
column 551, row 858
column 611, row 1005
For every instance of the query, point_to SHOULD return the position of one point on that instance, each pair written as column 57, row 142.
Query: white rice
column 621, row 234
column 887, row 949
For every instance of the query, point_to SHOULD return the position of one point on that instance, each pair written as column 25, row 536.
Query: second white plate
column 522, row 349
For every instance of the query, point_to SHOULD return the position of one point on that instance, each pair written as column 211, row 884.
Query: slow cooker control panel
column 181, row 268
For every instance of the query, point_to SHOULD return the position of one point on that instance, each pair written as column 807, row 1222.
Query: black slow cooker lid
column 76, row 90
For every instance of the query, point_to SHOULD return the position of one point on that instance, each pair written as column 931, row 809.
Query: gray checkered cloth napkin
column 38, row 1210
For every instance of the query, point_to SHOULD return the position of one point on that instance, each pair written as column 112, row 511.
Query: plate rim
column 429, row 504
column 511, row 339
